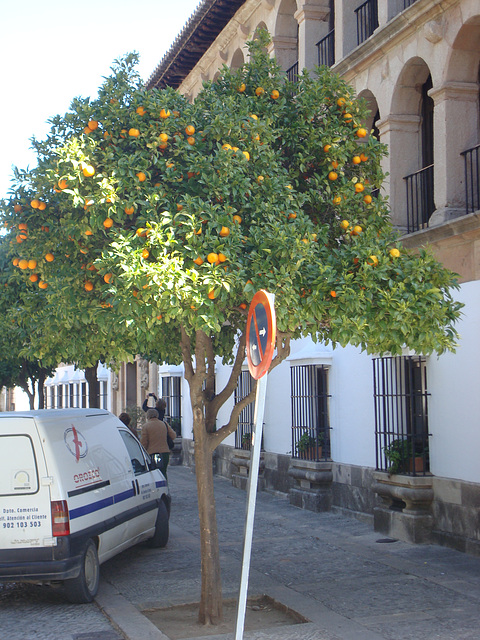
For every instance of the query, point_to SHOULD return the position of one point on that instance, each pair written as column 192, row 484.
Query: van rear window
column 18, row 468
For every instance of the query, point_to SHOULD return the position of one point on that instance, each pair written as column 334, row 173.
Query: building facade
column 394, row 441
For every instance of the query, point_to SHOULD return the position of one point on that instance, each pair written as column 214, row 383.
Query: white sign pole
column 251, row 501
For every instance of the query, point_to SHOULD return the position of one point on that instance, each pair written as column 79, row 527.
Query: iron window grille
column 326, row 50
column 471, row 159
column 172, row 394
column 367, row 20
column 408, row 3
column 401, row 414
column 243, row 434
column 310, row 415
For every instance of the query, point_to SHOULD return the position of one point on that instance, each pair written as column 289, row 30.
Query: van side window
column 18, row 467
column 135, row 452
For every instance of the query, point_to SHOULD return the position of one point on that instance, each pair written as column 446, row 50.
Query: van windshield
column 18, row 468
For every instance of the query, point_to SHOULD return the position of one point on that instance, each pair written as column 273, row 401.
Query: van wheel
column 162, row 530
column 84, row 587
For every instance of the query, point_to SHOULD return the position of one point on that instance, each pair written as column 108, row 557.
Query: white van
column 76, row 488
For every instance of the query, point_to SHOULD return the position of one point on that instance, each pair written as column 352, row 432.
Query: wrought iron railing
column 472, row 178
column 243, row 434
column 367, row 20
column 326, row 50
column 420, row 202
column 292, row 72
column 408, row 3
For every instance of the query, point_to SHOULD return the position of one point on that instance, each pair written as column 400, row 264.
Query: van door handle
column 134, row 488
column 138, row 487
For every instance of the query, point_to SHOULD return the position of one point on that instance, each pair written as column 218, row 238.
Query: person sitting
column 154, row 438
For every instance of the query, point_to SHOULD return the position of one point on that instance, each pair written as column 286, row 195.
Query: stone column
column 456, row 105
column 312, row 26
column 284, row 48
column 400, row 133
column 345, row 27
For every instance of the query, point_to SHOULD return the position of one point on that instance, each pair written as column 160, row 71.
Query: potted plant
column 310, row 447
column 247, row 440
column 403, row 457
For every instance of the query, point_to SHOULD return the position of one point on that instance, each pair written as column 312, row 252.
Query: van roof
column 48, row 414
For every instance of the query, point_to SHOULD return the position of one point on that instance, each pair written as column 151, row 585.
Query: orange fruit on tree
column 395, row 253
column 145, row 254
column 92, row 125
column 335, row 164
column 33, row 277
column 22, row 226
column 88, row 285
column 23, row 264
column 275, row 94
column 357, row 230
column 198, row 261
column 164, row 114
column 141, row 176
column 140, row 110
column 361, row 133
column 211, row 294
column 108, row 223
column 333, row 294
column 190, row 130
column 20, row 239
column 17, row 208
column 34, row 203
column 363, row 157
column 356, row 160
column 332, row 175
column 191, row 140
column 243, row 305
column 89, row 232
column 42, row 206
column 62, row 184
column 212, row 258
column 367, row 198
column 222, row 257
column 337, row 200
column 373, row 261
column 237, row 219
column 241, row 87
column 341, row 102
column 32, row 264
column 224, row 232
column 246, row 154
column 163, row 137
column 359, row 187
column 134, row 133
column 42, row 284
column 327, row 148
column 344, row 224
column 129, row 210
column 108, row 277
column 88, row 171
column 49, row 257
column 15, row 262
column 292, row 216
column 259, row 91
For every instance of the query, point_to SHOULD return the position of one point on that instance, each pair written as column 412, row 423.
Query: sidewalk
column 331, row 569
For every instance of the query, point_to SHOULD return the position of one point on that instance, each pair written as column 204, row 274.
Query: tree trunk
column 93, row 387
column 41, row 388
column 211, row 606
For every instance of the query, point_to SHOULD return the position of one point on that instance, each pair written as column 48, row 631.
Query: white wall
column 454, row 405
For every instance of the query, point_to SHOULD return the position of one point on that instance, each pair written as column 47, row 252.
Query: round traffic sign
column 261, row 333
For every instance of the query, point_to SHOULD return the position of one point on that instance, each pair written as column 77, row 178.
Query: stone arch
column 373, row 112
column 401, row 130
column 285, row 37
column 238, row 59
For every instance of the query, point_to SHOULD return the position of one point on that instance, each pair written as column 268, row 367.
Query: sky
column 52, row 51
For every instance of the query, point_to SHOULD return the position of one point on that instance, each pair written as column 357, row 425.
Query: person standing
column 154, row 438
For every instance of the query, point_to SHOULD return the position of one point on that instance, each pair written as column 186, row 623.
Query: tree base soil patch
column 262, row 612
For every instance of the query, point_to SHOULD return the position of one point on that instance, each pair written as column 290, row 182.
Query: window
column 172, row 394
column 18, row 467
column 243, row 434
column 310, row 416
column 135, row 452
column 401, row 414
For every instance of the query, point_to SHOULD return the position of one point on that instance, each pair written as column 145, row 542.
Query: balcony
column 472, row 178
column 420, row 202
column 326, row 50
column 292, row 72
column 367, row 20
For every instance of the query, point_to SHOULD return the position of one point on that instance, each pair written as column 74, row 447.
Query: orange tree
column 183, row 210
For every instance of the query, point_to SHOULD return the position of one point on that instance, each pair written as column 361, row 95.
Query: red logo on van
column 76, row 443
